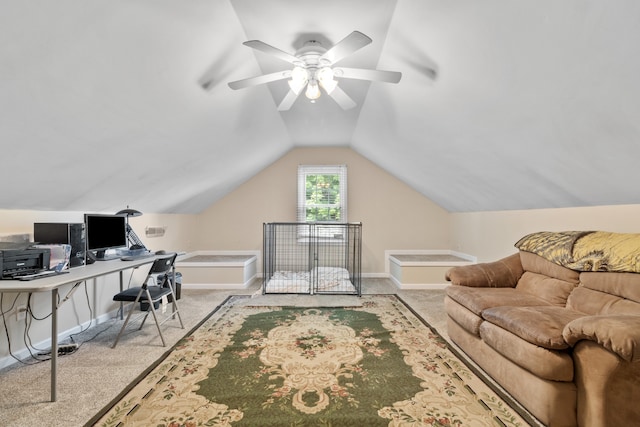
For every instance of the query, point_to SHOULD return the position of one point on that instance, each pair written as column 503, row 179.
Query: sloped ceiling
column 502, row 104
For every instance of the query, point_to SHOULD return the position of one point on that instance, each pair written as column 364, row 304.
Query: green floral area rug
column 372, row 365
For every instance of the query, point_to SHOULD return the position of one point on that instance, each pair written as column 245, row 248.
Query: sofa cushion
column 545, row 279
column 463, row 317
column 607, row 293
column 625, row 285
column 555, row 291
column 593, row 302
column 553, row 365
column 537, row 264
column 479, row 299
column 541, row 326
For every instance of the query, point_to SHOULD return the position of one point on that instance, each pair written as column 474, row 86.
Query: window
column 322, row 193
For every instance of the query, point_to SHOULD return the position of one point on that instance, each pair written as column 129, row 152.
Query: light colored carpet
column 94, row 375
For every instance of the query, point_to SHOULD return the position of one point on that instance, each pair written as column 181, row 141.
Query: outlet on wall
column 21, row 312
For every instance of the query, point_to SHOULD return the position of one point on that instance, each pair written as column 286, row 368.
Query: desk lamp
column 132, row 237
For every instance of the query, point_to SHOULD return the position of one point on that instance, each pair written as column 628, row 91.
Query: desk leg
column 54, row 343
column 121, row 289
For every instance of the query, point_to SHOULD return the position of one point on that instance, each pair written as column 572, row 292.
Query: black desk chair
column 150, row 295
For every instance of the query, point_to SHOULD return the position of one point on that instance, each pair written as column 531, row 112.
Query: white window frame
column 304, row 170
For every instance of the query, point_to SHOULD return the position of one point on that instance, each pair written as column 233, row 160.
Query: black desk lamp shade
column 132, row 237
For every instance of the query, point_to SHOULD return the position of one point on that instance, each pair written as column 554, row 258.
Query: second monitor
column 105, row 232
column 63, row 233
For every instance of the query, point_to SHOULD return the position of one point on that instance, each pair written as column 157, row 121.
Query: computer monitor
column 63, row 233
column 105, row 232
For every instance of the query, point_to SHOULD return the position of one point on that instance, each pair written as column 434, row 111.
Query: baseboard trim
column 230, row 286
column 423, row 286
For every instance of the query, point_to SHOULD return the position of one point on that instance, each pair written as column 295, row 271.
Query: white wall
column 492, row 235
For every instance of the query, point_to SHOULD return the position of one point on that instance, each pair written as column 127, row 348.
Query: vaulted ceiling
column 502, row 104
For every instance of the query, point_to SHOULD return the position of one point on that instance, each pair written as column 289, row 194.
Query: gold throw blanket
column 586, row 250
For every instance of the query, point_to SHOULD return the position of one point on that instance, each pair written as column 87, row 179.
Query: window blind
column 322, row 193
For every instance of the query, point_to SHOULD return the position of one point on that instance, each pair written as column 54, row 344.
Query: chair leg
column 174, row 306
column 155, row 317
column 124, row 325
column 144, row 319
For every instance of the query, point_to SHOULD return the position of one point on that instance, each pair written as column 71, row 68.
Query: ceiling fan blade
column 345, row 47
column 342, row 98
column 274, row 51
column 287, row 101
column 373, row 75
column 265, row 78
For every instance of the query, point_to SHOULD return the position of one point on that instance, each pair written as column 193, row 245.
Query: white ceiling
column 502, row 104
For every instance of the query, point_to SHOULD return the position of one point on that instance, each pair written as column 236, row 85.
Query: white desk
column 53, row 283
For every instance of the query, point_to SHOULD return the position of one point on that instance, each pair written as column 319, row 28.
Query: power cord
column 63, row 349
column 38, row 354
column 6, row 329
column 42, row 355
column 73, row 341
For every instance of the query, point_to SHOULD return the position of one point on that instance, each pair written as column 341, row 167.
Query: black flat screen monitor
column 105, row 232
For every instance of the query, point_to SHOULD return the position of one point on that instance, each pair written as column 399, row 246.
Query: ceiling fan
column 314, row 68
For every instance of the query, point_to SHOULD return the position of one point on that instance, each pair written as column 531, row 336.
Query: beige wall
column 491, row 235
column 178, row 235
column 393, row 215
column 179, row 231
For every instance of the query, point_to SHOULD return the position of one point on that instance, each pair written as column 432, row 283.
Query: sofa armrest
column 619, row 334
column 503, row 273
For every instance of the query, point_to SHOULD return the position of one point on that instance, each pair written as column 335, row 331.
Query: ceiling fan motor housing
column 310, row 54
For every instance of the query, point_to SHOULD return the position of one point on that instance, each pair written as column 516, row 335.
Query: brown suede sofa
column 564, row 342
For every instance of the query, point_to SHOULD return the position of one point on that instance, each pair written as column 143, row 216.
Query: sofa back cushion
column 537, row 264
column 545, row 279
column 607, row 293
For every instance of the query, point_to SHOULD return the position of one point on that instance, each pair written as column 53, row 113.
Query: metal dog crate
column 312, row 258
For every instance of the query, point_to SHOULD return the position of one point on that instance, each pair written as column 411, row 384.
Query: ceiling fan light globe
column 300, row 75
column 325, row 74
column 313, row 91
column 325, row 78
column 296, row 86
column 328, row 85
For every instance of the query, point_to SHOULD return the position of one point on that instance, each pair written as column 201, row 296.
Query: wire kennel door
column 312, row 258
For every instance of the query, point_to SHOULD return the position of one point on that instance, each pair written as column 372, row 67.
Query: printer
column 21, row 258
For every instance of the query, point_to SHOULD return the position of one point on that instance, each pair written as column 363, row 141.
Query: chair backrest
column 163, row 264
